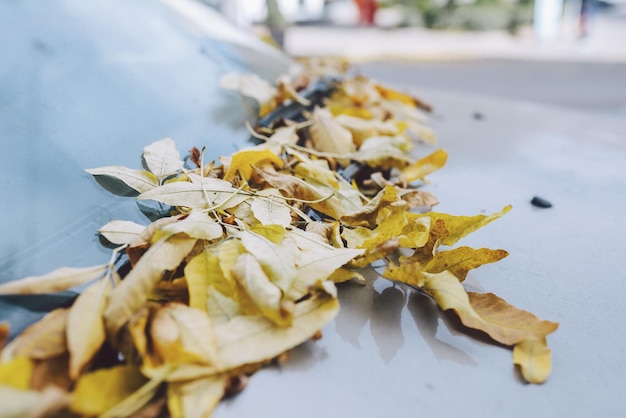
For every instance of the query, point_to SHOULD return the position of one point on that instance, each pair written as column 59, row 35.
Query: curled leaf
column 99, row 391
column 242, row 162
column 42, row 340
column 56, row 281
column 162, row 158
column 132, row 293
column 424, row 166
column 139, row 180
column 85, row 326
column 195, row 398
column 534, row 359
column 121, row 232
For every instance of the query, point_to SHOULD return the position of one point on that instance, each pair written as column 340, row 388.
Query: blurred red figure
column 367, row 11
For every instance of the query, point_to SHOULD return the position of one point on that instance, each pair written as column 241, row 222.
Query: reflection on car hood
column 88, row 84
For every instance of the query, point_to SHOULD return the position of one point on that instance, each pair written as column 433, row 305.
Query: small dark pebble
column 478, row 116
column 540, row 203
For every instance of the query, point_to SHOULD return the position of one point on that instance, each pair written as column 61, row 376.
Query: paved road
column 598, row 87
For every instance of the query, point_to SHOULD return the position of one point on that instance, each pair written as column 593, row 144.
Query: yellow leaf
column 362, row 129
column 277, row 262
column 99, row 391
column 410, row 274
column 139, row 180
column 121, row 232
column 463, row 259
column 534, row 359
column 181, row 334
column 376, row 253
column 274, row 233
column 253, row 339
column 460, row 226
column 85, row 326
column 56, row 281
column 195, row 398
column 343, row 275
column 367, row 214
column 162, row 158
column 316, row 171
column 357, row 112
column 266, row 295
column 17, row 373
column 132, row 293
column 423, row 167
column 198, row 276
column 242, row 162
column 328, row 135
column 391, row 94
column 42, row 340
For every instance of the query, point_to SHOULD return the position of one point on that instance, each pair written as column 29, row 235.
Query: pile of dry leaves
column 243, row 266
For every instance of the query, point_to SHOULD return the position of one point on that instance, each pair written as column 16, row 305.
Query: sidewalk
column 607, row 43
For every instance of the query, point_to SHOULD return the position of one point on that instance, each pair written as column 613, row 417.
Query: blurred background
column 564, row 52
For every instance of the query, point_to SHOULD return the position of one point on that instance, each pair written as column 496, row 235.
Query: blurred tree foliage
column 466, row 14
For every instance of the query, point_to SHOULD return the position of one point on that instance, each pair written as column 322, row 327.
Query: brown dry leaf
column 424, row 166
column 328, row 135
column 534, row 359
column 56, row 281
column 181, row 334
column 460, row 261
column 293, row 187
column 139, row 180
column 132, row 293
column 85, row 326
column 5, row 331
column 195, row 398
column 42, row 340
column 418, row 198
column 121, row 232
column 162, row 158
column 53, row 371
column 99, row 391
column 17, row 373
column 508, row 324
column 242, row 163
